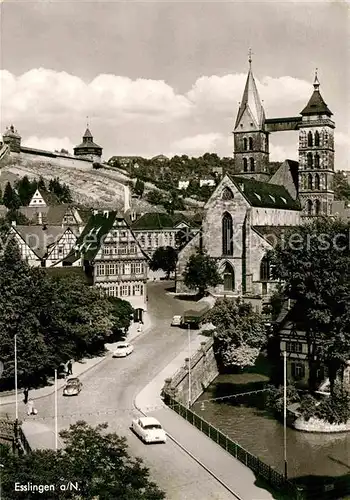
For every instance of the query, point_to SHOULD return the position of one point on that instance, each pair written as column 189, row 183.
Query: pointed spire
column 316, row 81
column 251, row 100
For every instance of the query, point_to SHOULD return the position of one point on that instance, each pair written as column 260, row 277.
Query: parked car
column 73, row 387
column 177, row 321
column 123, row 349
column 149, row 430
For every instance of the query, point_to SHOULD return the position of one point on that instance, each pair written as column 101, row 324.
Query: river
column 248, row 422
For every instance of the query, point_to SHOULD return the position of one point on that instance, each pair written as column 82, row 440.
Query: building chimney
column 127, row 204
column 40, row 218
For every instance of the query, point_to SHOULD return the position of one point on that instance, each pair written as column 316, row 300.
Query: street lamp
column 189, row 365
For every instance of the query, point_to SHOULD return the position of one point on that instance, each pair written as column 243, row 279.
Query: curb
column 211, row 473
column 103, row 358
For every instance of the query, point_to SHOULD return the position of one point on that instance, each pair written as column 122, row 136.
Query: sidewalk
column 79, row 367
column 220, row 463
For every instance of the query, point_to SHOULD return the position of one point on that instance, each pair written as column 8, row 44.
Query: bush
column 275, row 398
column 334, row 409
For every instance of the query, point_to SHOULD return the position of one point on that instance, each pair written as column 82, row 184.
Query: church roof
column 316, row 105
column 287, row 175
column 251, row 101
column 90, row 144
column 88, row 133
column 264, row 194
column 159, row 221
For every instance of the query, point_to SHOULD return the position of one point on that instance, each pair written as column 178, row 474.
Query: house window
column 245, row 144
column 317, row 181
column 136, row 268
column 136, row 290
column 317, row 138
column 309, row 207
column 132, row 248
column 227, row 194
column 112, row 291
column 317, row 207
column 309, row 139
column 317, row 160
column 309, row 181
column 229, row 278
column 295, row 347
column 245, row 165
column 107, row 250
column 250, row 144
column 100, row 270
column 309, row 160
column 227, row 234
column 298, row 371
column 122, row 250
column 265, row 269
column 110, row 269
column 252, row 164
column 125, row 290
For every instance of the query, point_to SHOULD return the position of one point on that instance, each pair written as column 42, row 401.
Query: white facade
column 37, row 200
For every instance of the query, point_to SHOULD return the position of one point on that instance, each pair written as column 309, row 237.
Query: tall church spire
column 251, row 103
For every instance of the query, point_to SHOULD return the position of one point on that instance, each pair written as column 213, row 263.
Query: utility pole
column 16, row 385
column 189, row 366
column 285, row 414
column 56, row 423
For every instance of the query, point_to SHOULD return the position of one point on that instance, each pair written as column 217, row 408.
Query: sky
column 167, row 77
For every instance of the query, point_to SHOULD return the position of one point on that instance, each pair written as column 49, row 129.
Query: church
column 249, row 212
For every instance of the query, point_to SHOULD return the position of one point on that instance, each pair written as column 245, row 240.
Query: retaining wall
column 204, row 370
column 317, row 425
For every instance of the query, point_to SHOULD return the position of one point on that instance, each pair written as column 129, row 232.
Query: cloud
column 49, row 143
column 201, row 143
column 223, row 93
column 44, row 94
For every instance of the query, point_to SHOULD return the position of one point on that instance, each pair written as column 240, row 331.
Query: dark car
column 72, row 387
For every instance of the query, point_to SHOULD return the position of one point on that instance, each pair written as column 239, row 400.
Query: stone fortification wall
column 204, row 370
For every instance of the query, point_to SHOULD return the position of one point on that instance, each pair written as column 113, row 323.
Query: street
column 108, row 393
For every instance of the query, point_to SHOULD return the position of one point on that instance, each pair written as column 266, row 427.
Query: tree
column 139, row 187
column 25, row 190
column 61, row 191
column 341, row 186
column 97, row 461
column 155, row 197
column 164, row 258
column 313, row 261
column 10, row 198
column 240, row 332
column 201, row 272
column 122, row 314
column 41, row 184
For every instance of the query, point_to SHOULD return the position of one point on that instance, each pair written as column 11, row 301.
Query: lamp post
column 285, row 413
column 56, row 423
column 189, row 366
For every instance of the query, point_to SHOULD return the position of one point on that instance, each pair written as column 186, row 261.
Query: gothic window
column 245, row 144
column 309, row 160
column 302, row 139
column 317, row 207
column 227, row 194
column 227, row 234
column 317, row 181
column 309, row 207
column 317, row 160
column 265, row 273
column 309, row 139
column 250, row 144
column 317, row 138
column 309, row 181
column 245, row 165
column 252, row 165
column 325, row 137
column 229, row 278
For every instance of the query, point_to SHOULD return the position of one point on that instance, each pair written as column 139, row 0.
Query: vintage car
column 122, row 350
column 149, row 430
column 73, row 387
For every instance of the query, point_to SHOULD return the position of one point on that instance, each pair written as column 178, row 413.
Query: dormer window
column 272, row 198
column 284, row 200
column 258, row 196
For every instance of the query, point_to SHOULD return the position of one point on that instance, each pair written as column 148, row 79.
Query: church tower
column 316, row 156
column 251, row 140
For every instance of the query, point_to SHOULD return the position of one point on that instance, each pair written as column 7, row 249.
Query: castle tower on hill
column 316, row 156
column 12, row 138
column 251, row 140
column 88, row 149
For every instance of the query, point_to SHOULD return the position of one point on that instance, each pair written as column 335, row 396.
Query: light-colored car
column 123, row 349
column 73, row 387
column 177, row 321
column 149, row 430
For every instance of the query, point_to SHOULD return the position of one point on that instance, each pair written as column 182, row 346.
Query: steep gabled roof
column 88, row 133
column 251, row 102
column 287, row 175
column 40, row 238
column 90, row 240
column 264, row 194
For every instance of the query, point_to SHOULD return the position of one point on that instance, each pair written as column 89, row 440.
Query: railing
column 269, row 474
column 12, row 431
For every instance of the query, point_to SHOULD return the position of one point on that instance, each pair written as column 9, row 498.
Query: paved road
column 109, row 391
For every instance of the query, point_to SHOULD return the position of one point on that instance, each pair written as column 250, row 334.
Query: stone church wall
column 274, row 217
